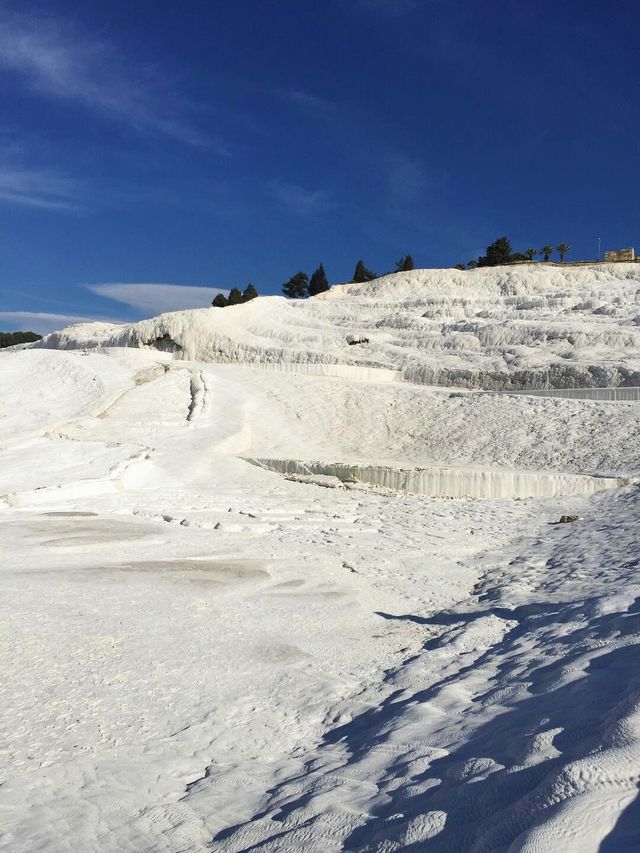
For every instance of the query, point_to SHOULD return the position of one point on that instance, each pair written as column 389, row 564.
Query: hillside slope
column 318, row 606
column 499, row 328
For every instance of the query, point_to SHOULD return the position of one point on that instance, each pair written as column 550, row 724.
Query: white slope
column 508, row 327
column 204, row 654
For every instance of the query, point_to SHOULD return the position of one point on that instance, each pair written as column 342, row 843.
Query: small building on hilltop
column 614, row 255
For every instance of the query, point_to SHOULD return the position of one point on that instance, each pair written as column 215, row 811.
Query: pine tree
column 249, row 293
column 297, row 287
column 499, row 252
column 405, row 264
column 318, row 282
column 235, row 297
column 220, row 301
column 362, row 274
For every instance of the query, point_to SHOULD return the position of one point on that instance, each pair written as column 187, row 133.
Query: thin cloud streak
column 298, row 200
column 43, row 323
column 152, row 299
column 38, row 188
column 57, row 61
column 409, row 180
column 301, row 98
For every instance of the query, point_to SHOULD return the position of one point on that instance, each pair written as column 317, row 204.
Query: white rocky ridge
column 515, row 327
column 322, row 606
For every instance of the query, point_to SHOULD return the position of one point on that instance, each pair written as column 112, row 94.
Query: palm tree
column 563, row 248
column 546, row 252
column 530, row 254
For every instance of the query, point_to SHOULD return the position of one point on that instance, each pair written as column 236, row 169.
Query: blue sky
column 205, row 144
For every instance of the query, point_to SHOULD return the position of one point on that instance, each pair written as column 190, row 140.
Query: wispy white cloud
column 407, row 178
column 298, row 200
column 152, row 299
column 408, row 182
column 301, row 98
column 38, row 188
column 43, row 323
column 56, row 60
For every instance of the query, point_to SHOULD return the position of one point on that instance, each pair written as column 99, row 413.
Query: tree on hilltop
column 405, row 264
column 235, row 297
column 362, row 274
column 530, row 254
column 297, row 287
column 499, row 252
column 318, row 282
column 249, row 293
column 562, row 249
column 546, row 252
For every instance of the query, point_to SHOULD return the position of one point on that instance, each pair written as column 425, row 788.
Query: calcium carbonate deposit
column 302, row 576
column 507, row 328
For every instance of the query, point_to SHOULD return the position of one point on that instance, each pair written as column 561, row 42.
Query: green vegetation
column 405, row 264
column 10, row 339
column 297, row 287
column 318, row 282
column 499, row 252
column 249, row 293
column 235, row 297
column 300, row 286
column 362, row 274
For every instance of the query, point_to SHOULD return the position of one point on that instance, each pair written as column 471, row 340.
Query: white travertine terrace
column 450, row 482
column 209, row 645
column 502, row 328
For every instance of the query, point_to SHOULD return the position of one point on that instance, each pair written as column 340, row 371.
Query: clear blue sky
column 209, row 143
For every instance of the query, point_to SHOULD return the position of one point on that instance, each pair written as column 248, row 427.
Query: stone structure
column 620, row 255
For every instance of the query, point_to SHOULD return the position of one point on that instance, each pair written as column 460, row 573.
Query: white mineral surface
column 264, row 589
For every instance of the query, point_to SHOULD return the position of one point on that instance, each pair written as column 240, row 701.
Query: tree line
column 499, row 252
column 300, row 286
column 235, row 297
column 10, row 339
